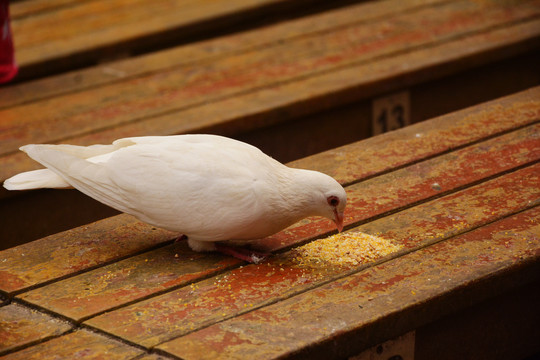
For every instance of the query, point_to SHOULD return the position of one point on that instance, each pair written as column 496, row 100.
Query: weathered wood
column 21, row 326
column 78, row 344
column 364, row 159
column 26, row 8
column 347, row 315
column 425, row 140
column 200, row 51
column 178, row 89
column 61, row 255
column 110, row 286
column 462, row 201
column 153, row 357
column 125, row 236
column 84, row 32
column 278, row 77
column 416, row 183
column 353, row 162
column 125, row 281
column 177, row 313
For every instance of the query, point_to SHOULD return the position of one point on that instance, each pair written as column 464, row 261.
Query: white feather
column 45, row 178
column 37, row 179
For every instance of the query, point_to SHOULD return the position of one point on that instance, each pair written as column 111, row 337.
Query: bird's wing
column 176, row 180
column 167, row 181
column 82, row 152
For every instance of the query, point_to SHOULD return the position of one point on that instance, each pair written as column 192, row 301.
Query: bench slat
column 174, row 90
column 253, row 286
column 69, row 252
column 81, row 343
column 125, row 281
column 362, row 308
column 366, row 158
column 234, row 114
column 204, row 50
column 20, row 326
column 110, row 286
column 62, row 36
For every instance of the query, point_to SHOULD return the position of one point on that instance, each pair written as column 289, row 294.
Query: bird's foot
column 253, row 257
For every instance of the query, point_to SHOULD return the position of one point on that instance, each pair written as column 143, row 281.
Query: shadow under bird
column 209, row 188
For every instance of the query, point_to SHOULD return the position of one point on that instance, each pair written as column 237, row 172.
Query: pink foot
column 253, row 257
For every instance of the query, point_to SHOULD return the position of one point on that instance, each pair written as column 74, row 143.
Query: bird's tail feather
column 86, row 176
column 45, row 178
column 37, row 179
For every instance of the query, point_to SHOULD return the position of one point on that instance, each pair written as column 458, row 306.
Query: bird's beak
column 338, row 219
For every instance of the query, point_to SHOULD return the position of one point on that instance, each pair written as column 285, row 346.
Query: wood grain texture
column 120, row 236
column 21, row 326
column 255, row 88
column 173, row 314
column 75, row 250
column 61, row 34
column 202, row 51
column 458, row 193
column 78, row 344
column 342, row 317
column 124, row 281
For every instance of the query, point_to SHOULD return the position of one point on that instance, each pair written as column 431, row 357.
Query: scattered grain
column 344, row 249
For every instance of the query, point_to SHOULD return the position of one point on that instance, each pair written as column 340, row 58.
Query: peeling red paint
column 240, row 290
column 383, row 286
column 431, row 272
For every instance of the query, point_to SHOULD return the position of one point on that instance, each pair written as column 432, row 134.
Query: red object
column 8, row 67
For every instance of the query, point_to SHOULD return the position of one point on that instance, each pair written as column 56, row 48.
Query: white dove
column 209, row 188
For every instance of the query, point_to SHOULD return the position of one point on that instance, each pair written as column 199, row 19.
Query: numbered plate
column 390, row 112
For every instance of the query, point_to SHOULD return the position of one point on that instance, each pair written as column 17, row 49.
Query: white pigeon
column 209, row 188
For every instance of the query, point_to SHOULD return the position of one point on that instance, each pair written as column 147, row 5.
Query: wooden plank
column 153, row 321
column 64, row 254
column 111, row 286
column 178, row 89
column 285, row 101
column 200, row 51
column 83, row 32
column 393, row 149
column 111, row 240
column 26, row 8
column 347, row 315
column 125, row 281
column 425, row 140
column 416, row 183
column 78, row 344
column 378, row 154
column 21, row 326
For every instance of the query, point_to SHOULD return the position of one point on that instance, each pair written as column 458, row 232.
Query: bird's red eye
column 333, row 201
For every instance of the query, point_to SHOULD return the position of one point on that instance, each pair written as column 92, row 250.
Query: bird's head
column 330, row 198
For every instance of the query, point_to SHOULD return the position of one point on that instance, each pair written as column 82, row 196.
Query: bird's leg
column 180, row 238
column 250, row 256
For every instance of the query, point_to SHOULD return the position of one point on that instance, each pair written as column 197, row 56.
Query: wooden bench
column 59, row 35
column 293, row 89
column 458, row 193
